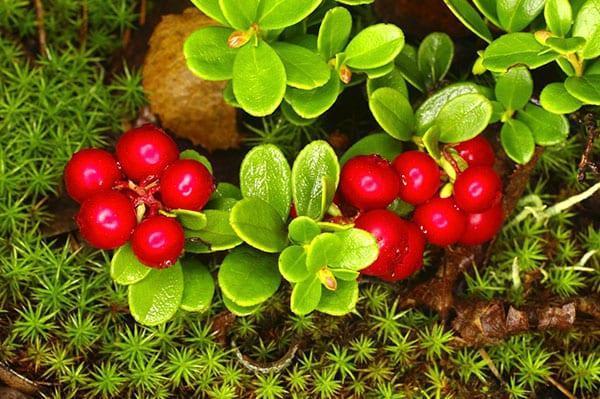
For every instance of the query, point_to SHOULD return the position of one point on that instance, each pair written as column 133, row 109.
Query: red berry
column 369, row 182
column 145, row 151
column 413, row 259
column 89, row 172
column 186, row 184
column 441, row 221
column 390, row 231
column 478, row 188
column 477, row 152
column 419, row 176
column 106, row 220
column 158, row 241
column 482, row 227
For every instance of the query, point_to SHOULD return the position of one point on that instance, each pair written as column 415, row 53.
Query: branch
column 274, row 367
column 39, row 14
column 591, row 127
column 16, row 381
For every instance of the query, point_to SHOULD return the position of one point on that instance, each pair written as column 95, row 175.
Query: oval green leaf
column 515, row 15
column 323, row 251
column 239, row 310
column 217, row 235
column 240, row 14
column 470, row 18
column 292, row 264
column 155, row 299
column 208, row 55
column 194, row 155
column 310, row 104
column 190, row 220
column 463, row 118
column 516, row 48
column 393, row 112
column 304, row 69
column 517, row 141
column 559, row 16
column 556, row 99
column 547, row 128
column 125, row 268
column 259, row 225
column 212, row 9
column 359, row 250
column 303, row 229
column 584, row 88
column 341, row 301
column 435, row 56
column 393, row 80
column 198, row 286
column 406, row 62
column 334, row 32
column 279, row 14
column 514, row 88
column 306, row 296
column 587, row 25
column 374, row 46
column 379, row 143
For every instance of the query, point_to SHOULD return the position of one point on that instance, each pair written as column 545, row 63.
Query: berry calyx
column 477, row 189
column 441, row 221
column 369, row 182
column 477, row 152
column 390, row 231
column 158, row 241
column 90, row 171
column 186, row 184
column 482, row 227
column 106, row 220
column 419, row 176
column 145, row 151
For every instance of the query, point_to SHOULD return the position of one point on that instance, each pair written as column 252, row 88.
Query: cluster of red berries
column 472, row 215
column 122, row 197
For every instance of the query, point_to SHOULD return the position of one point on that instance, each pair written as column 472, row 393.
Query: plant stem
column 576, row 62
column 39, row 13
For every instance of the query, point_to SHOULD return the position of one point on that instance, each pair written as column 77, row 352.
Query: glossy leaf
column 278, row 14
column 313, row 103
column 237, row 309
column 547, row 128
column 259, row 225
column 303, row 229
column 227, row 190
column 292, row 264
column 212, row 9
column 341, row 301
column 407, row 64
column 125, row 268
column 470, row 18
column 217, row 235
column 515, row 15
column 587, row 25
column 198, row 286
column 334, row 32
column 377, row 72
column 265, row 174
column 208, row 55
column 240, row 14
column 516, row 48
column 435, row 56
column 259, row 79
column 556, row 99
column 488, row 9
column 194, row 155
column 393, row 112
column 306, row 296
column 566, row 45
column 393, row 80
column 374, row 46
column 463, row 118
column 190, row 220
column 379, row 143
column 249, row 277
column 514, row 88
column 323, row 251
column 355, row 2
column 359, row 250
column 292, row 116
column 345, row 274
column 315, row 177
column 155, row 299
column 304, row 69
column 517, row 140
column 584, row 88
column 559, row 16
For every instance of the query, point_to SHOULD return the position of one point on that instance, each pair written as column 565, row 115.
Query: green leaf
column 355, row 2
column 587, row 25
column 307, row 41
column 593, row 69
column 259, row 225
column 470, row 18
column 516, row 48
column 208, row 55
column 292, row 116
column 125, row 268
column 155, row 299
column 431, row 141
column 323, row 251
column 435, row 56
column 212, row 9
column 304, row 69
column 334, row 32
column 488, row 9
column 566, row 45
column 374, row 46
column 393, row 112
column 517, row 141
column 393, row 80
column 259, row 79
column 292, row 264
column 547, row 128
column 463, row 118
column 313, row 103
column 379, row 143
column 306, row 296
column 228, row 95
column 198, row 286
column 377, row 72
column 217, row 235
column 428, row 111
column 249, row 277
column 359, row 250
column 315, row 177
column 227, row 190
column 559, row 16
column 515, row 15
column 345, row 274
column 237, row 309
column 194, row 155
column 407, row 64
column 240, row 14
column 584, row 88
column 265, row 174
column 303, row 229
column 334, row 227
column 278, row 14
column 341, row 301
column 514, row 88
column 556, row 99
column 191, row 220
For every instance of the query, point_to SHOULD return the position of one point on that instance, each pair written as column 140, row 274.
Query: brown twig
column 591, row 127
column 143, row 11
column 83, row 33
column 561, row 388
column 39, row 14
column 273, row 367
column 17, row 381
